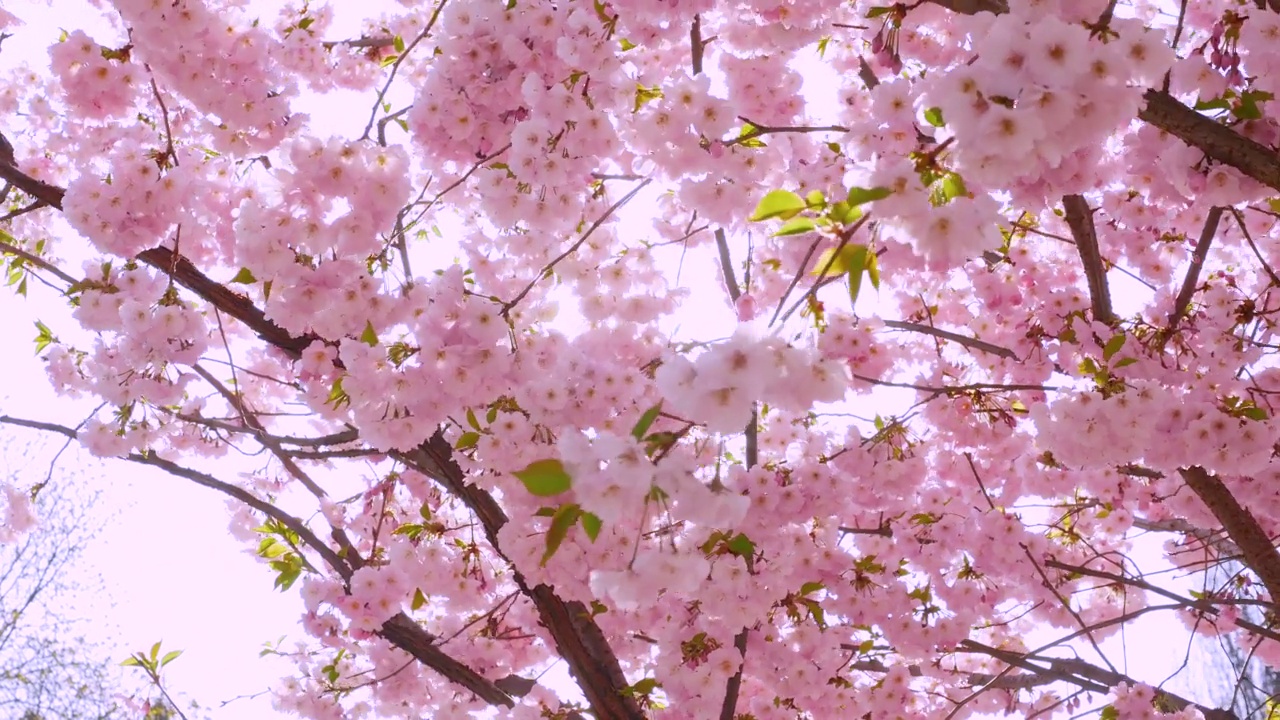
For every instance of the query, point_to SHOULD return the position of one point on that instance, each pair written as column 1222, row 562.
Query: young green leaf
column 545, row 478
column 796, row 226
column 565, row 518
column 369, row 336
column 645, row 422
column 1113, row 346
column 592, row 524
column 859, row 195
column 782, row 204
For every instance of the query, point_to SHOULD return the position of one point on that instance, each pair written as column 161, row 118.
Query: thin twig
column 1275, row 279
column 506, row 308
column 395, row 67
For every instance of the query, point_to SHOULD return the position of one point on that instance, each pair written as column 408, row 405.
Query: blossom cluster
column 98, row 82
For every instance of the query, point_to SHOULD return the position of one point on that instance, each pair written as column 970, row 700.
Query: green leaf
column 398, row 43
column 472, row 421
column 169, row 657
column 1113, row 346
column 1109, row 713
column 565, row 518
column 796, row 226
column 778, row 204
column 369, row 336
column 1218, row 103
column 645, row 95
column 468, row 440
column 843, row 213
column 1254, row 413
column 822, row 46
column 814, row 199
column 545, row 478
column 389, row 60
column 418, row 599
column 851, row 258
column 876, row 12
column 811, row 587
column 155, row 651
column 130, row 662
column 626, row 44
column 933, row 116
column 859, row 196
column 953, row 187
column 44, row 338
column 337, row 396
column 642, row 687
column 741, row 546
column 244, row 277
column 592, row 524
column 746, row 138
column 645, row 422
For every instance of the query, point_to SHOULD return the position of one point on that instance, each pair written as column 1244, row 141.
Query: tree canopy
column 738, row 359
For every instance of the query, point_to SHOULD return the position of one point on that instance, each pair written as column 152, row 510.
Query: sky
column 169, row 569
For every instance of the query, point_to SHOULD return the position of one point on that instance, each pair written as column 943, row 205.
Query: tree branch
column 1256, row 548
column 965, row 340
column 577, row 637
column 1189, row 283
column 1080, row 219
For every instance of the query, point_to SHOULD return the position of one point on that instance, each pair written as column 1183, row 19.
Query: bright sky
column 171, row 570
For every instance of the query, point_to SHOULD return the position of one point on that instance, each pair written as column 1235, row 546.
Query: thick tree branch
column 1080, row 219
column 1215, row 140
column 1258, row 550
column 577, row 637
column 409, row 636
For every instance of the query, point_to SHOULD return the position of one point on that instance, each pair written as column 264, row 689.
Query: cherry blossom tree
column 726, row 359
